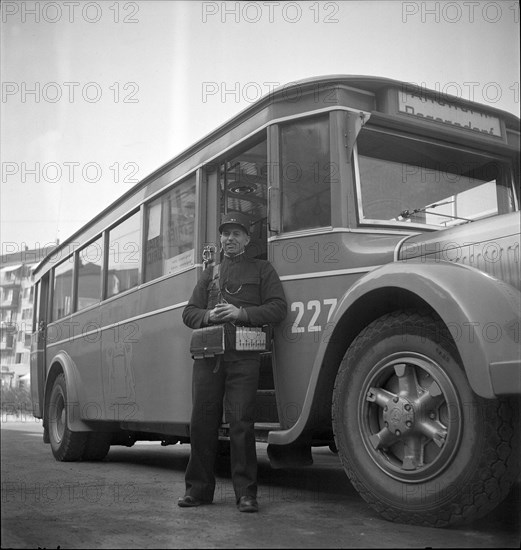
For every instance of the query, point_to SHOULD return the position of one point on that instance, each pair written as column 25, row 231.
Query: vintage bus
column 391, row 213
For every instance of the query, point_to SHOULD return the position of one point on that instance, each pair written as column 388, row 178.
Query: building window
column 170, row 229
column 124, row 255
column 28, row 293
column 62, row 297
column 306, row 174
column 7, row 316
column 90, row 261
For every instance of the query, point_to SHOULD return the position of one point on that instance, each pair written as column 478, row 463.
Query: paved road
column 129, row 501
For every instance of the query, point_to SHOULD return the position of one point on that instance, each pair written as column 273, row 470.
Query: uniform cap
column 235, row 218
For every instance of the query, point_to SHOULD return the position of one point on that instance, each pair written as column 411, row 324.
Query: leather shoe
column 248, row 504
column 189, row 502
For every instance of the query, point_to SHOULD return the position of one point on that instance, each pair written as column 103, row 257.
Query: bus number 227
column 315, row 307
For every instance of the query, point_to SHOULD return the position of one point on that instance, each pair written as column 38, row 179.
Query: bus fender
column 481, row 312
column 62, row 362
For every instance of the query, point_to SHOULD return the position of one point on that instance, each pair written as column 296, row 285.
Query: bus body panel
column 486, row 331
column 144, row 353
column 38, row 346
column 316, row 270
column 327, row 251
column 78, row 406
column 37, row 370
column 492, row 246
column 147, row 375
column 78, row 339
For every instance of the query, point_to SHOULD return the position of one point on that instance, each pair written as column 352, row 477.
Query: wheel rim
column 58, row 421
column 410, row 417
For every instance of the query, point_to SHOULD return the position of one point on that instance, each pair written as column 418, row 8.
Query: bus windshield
column 403, row 180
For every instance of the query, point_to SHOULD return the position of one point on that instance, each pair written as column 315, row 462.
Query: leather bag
column 207, row 342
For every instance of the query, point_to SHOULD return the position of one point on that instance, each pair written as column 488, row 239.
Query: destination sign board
column 439, row 109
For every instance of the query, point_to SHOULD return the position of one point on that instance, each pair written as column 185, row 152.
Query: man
column 251, row 294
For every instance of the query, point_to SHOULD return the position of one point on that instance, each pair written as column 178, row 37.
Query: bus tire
column 67, row 446
column 97, row 446
column 418, row 445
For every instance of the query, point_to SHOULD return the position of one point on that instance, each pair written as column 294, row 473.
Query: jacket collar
column 236, row 258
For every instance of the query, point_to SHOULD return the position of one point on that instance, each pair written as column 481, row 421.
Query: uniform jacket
column 247, row 283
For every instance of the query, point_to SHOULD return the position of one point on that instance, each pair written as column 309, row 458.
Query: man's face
column 233, row 239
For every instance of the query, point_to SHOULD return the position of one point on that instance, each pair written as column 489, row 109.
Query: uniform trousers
column 235, row 383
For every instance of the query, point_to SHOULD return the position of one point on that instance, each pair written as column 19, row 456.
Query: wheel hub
column 398, row 416
column 409, row 411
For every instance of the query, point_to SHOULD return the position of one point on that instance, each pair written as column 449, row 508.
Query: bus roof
column 320, row 85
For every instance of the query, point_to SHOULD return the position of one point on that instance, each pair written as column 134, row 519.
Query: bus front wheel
column 66, row 445
column 416, row 442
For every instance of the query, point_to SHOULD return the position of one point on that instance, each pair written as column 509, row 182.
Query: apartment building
column 16, row 314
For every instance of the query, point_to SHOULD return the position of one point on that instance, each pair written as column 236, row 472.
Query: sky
column 98, row 94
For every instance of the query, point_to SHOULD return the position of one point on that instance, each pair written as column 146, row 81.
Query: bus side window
column 62, row 295
column 89, row 274
column 305, row 174
column 124, row 256
column 170, row 231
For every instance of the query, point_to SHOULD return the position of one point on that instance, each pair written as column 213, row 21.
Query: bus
column 391, row 214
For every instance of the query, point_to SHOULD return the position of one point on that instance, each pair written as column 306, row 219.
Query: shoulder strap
column 213, row 289
column 216, row 270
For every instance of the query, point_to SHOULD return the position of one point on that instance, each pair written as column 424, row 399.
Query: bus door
column 38, row 341
column 303, row 249
column 240, row 184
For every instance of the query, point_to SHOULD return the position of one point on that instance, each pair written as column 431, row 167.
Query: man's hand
column 224, row 313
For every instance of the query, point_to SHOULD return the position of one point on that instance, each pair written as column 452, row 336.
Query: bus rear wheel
column 418, row 445
column 67, row 446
